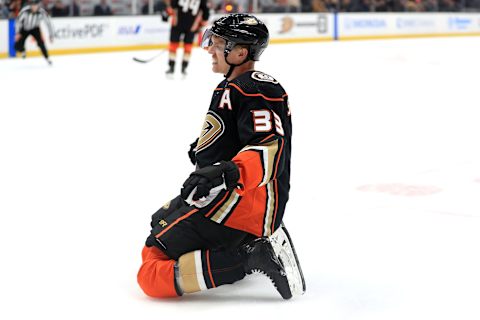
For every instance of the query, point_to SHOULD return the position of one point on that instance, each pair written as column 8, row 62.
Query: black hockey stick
column 150, row 59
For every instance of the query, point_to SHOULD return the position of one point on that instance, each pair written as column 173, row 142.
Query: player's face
column 219, row 65
column 34, row 7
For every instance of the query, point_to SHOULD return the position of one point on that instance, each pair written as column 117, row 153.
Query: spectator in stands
column 243, row 5
column 263, row 5
column 294, row 5
column 448, row 6
column 45, row 4
column 4, row 12
column 331, row 5
column 379, row 5
column 472, row 4
column 413, row 6
column 158, row 6
column 347, row 6
column 14, row 7
column 319, row 6
column 306, row 5
column 430, row 5
column 363, row 6
column 59, row 9
column 282, row 6
column 145, row 7
column 73, row 9
column 102, row 9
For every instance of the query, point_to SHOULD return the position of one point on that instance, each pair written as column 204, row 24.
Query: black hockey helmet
column 239, row 28
column 34, row 1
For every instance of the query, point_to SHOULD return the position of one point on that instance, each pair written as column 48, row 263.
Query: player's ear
column 243, row 52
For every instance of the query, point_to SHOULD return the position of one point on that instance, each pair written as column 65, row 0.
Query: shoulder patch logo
column 260, row 76
column 213, row 128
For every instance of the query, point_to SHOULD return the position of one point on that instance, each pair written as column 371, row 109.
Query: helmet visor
column 207, row 39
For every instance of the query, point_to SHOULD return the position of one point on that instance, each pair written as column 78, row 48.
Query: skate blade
column 283, row 247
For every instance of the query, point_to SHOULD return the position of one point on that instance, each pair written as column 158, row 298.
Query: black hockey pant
column 205, row 252
column 35, row 32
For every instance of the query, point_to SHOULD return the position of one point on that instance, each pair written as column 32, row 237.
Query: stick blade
column 139, row 60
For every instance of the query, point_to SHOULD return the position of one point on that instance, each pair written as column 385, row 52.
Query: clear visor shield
column 207, row 39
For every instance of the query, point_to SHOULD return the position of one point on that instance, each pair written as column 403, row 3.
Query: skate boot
column 171, row 69
column 169, row 73
column 24, row 54
column 184, row 69
column 260, row 257
column 283, row 246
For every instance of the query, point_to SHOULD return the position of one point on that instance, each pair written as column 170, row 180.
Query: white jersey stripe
column 199, row 268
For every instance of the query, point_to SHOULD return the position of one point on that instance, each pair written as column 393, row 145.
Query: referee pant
column 35, row 32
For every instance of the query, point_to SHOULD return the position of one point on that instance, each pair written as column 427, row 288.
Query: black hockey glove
column 191, row 152
column 164, row 14
column 210, row 177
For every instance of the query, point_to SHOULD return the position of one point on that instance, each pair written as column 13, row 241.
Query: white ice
column 385, row 198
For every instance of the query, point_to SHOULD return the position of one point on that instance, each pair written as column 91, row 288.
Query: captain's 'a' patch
column 260, row 76
column 213, row 128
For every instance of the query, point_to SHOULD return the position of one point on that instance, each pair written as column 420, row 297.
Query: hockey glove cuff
column 203, row 180
column 192, row 151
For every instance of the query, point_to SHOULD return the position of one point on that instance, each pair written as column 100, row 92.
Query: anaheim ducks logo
column 213, row 128
column 260, row 76
column 287, row 24
column 250, row 21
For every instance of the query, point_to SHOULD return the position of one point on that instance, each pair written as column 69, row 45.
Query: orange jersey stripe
column 209, row 269
column 267, row 138
column 254, row 94
column 175, row 222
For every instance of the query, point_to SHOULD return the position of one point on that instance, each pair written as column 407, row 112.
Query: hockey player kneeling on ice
column 227, row 221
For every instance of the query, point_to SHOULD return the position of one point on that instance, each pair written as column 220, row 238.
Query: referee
column 28, row 23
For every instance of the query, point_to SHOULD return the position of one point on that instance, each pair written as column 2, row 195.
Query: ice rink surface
column 385, row 198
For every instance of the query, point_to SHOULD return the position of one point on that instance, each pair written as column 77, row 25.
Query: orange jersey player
column 187, row 18
column 227, row 221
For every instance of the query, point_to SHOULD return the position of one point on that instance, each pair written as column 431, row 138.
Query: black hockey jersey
column 249, row 123
column 187, row 14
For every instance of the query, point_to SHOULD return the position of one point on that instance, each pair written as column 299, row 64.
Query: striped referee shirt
column 28, row 20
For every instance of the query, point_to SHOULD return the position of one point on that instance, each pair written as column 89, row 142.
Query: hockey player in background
column 28, row 23
column 227, row 221
column 187, row 18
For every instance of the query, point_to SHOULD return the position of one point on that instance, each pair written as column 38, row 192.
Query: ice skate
column 184, row 69
column 283, row 246
column 24, row 54
column 260, row 257
column 169, row 73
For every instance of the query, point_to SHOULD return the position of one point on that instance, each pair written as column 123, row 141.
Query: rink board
column 94, row 34
column 105, row 34
column 3, row 38
column 97, row 34
column 352, row 26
